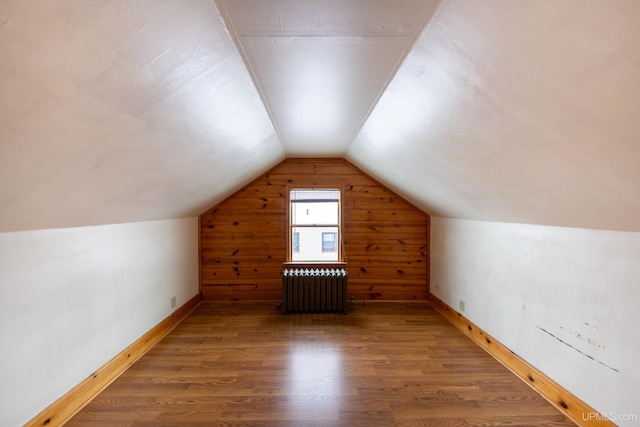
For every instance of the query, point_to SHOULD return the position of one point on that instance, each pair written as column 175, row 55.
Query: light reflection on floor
column 315, row 378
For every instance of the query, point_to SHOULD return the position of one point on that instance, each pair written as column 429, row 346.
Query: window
column 329, row 242
column 314, row 225
column 295, row 242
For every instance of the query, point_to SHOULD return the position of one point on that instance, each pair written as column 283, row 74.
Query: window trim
column 339, row 243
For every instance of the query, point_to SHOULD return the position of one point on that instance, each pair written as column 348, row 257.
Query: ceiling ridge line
column 233, row 33
column 423, row 28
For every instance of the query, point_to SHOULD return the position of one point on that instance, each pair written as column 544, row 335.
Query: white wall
column 71, row 299
column 564, row 299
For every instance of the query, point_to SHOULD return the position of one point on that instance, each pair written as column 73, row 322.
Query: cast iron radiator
column 308, row 290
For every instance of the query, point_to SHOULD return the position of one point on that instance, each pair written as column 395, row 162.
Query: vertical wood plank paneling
column 243, row 240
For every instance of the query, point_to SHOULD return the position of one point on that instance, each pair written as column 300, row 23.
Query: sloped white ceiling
column 321, row 65
column 122, row 111
column 500, row 110
column 516, row 111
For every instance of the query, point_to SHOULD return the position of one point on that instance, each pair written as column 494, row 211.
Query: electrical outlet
column 462, row 304
column 173, row 302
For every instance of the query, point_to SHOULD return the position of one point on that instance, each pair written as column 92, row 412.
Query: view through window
column 315, row 225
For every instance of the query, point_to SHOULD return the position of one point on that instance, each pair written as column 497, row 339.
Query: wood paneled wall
column 243, row 240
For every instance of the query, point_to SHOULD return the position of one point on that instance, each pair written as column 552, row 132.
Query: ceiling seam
column 423, row 28
column 233, row 33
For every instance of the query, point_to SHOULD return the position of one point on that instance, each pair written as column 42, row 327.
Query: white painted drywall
column 564, row 299
column 71, row 299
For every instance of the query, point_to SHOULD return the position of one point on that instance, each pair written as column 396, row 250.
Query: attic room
column 499, row 136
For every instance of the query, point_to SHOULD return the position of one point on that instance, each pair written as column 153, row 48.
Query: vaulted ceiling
column 498, row 110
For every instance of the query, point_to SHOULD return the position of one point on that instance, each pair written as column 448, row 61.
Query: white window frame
column 290, row 226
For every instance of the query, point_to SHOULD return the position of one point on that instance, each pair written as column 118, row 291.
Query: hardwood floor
column 383, row 364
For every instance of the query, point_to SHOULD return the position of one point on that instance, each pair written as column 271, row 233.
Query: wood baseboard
column 73, row 401
column 574, row 408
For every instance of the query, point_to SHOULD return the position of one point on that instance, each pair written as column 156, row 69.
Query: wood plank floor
column 383, row 364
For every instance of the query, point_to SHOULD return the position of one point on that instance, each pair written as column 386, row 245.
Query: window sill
column 315, row 264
